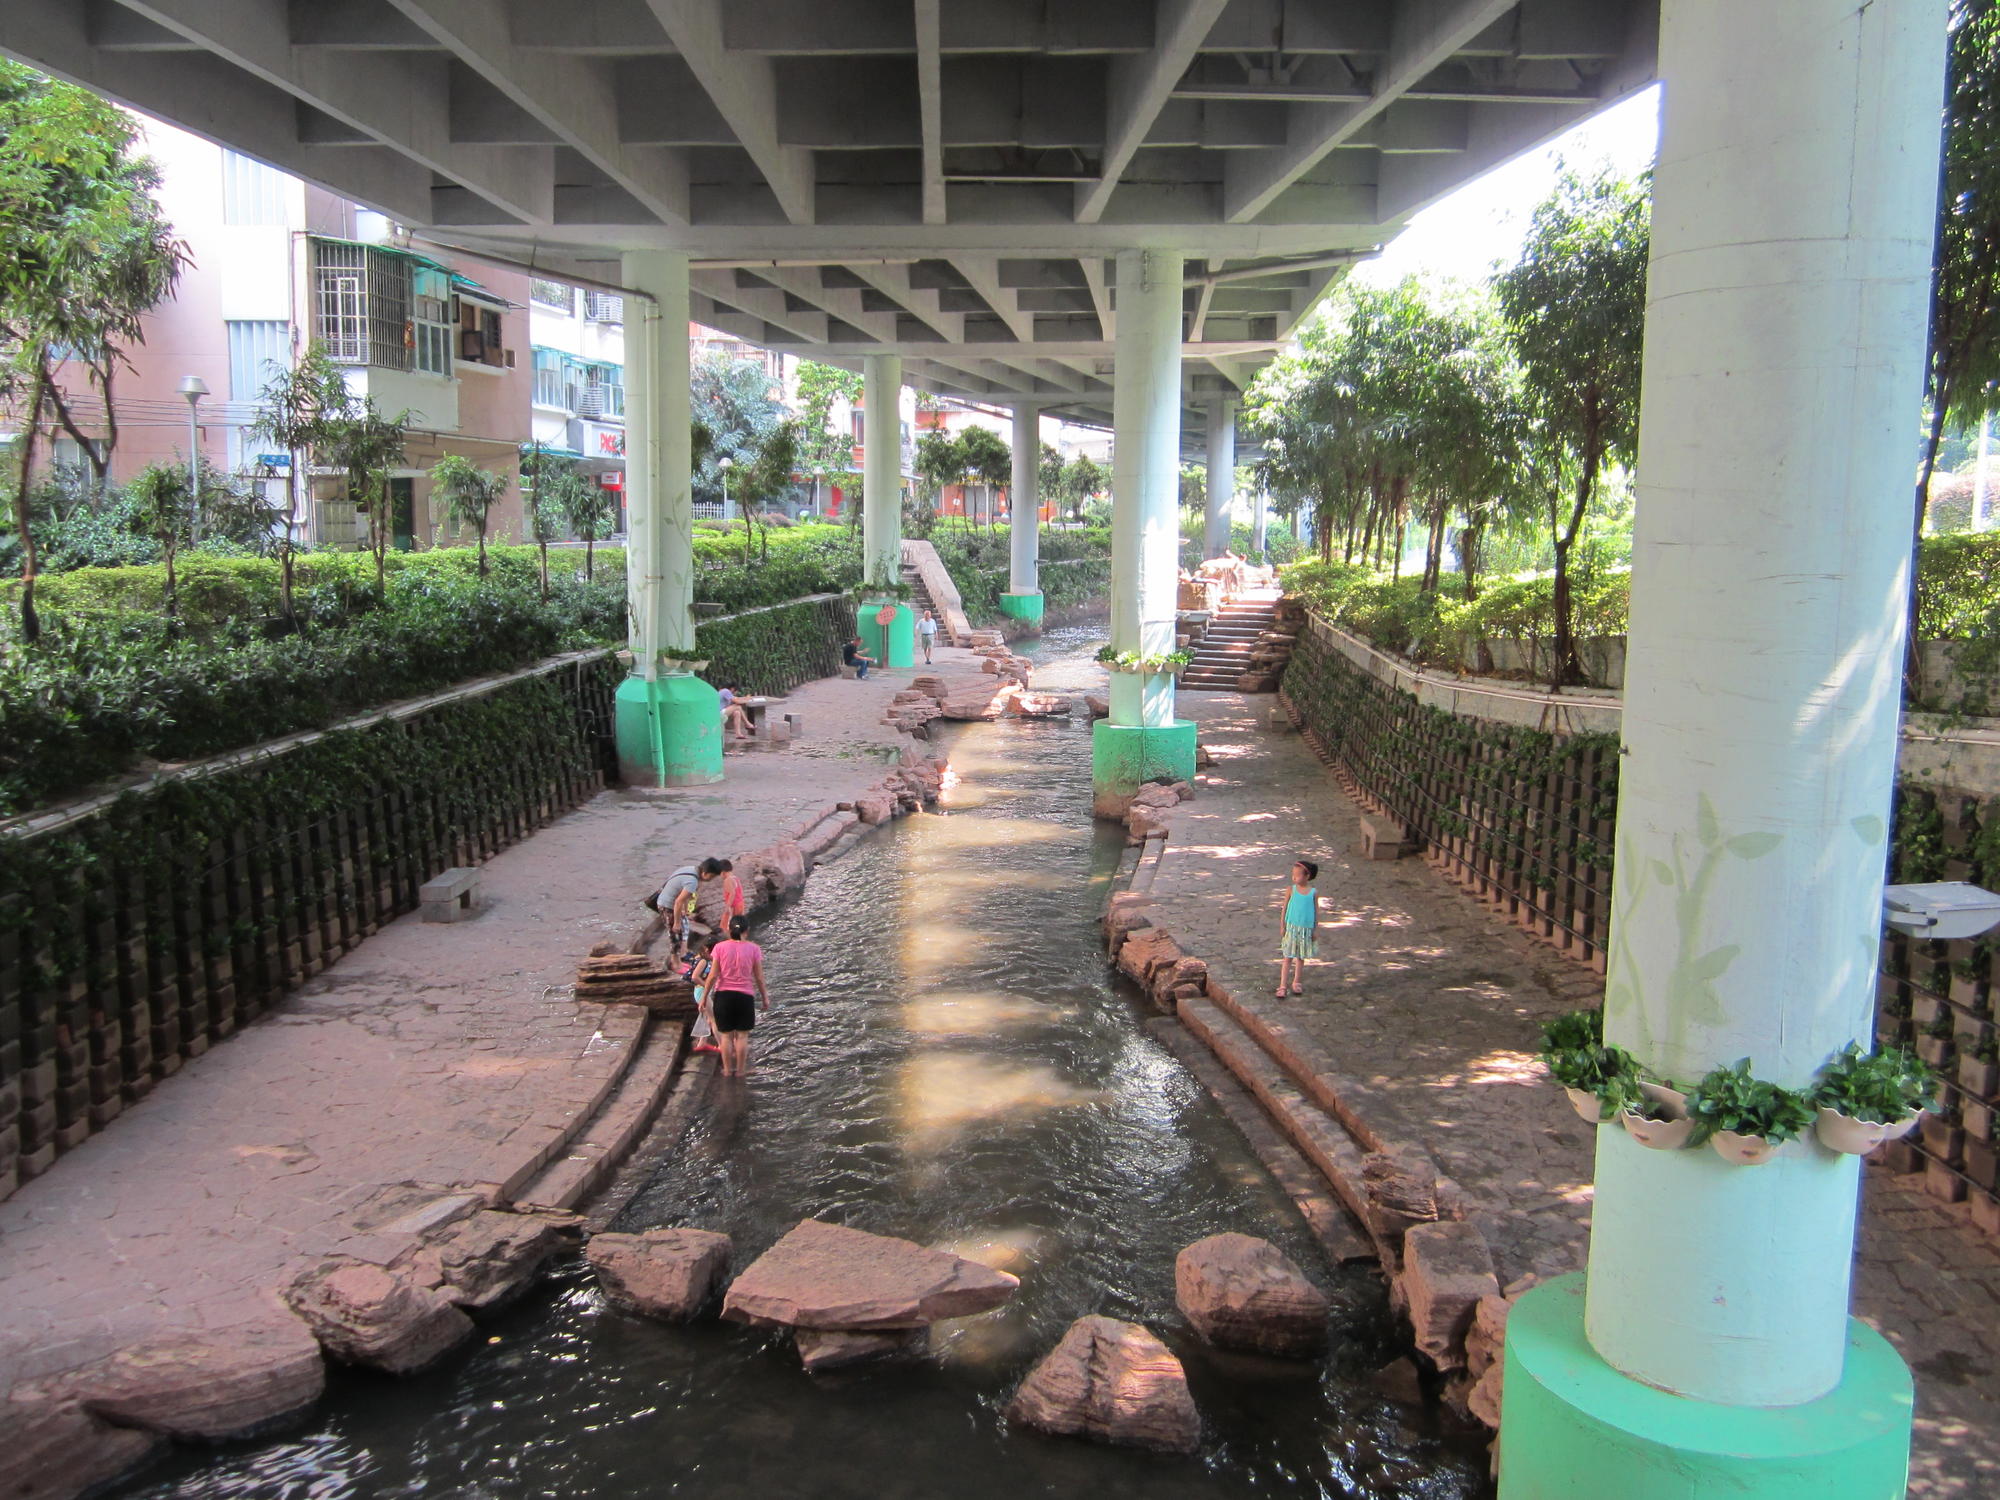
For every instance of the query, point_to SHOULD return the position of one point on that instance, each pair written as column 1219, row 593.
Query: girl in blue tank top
column 1301, row 922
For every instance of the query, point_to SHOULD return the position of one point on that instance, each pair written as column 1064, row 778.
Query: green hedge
column 1076, row 566
column 774, row 650
column 96, row 695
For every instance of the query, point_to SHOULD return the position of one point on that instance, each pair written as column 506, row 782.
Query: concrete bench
column 795, row 725
column 1382, row 838
column 850, row 673
column 1279, row 721
column 451, row 897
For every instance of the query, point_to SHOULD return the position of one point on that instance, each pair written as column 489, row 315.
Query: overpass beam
column 887, row 626
column 1710, row 1350
column 668, row 721
column 1023, row 599
column 1221, row 488
column 1142, row 739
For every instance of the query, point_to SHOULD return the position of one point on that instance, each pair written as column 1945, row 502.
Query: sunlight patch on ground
column 941, row 1094
column 969, row 831
column 950, row 896
column 930, row 948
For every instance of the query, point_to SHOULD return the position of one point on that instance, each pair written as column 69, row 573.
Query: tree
column 470, row 493
column 767, row 476
column 1962, row 372
column 989, row 461
column 297, row 411
column 821, row 446
column 1575, row 310
column 162, row 509
column 939, row 461
column 590, row 509
column 1082, row 478
column 84, row 254
column 1050, row 474
column 737, row 404
column 546, row 523
column 365, row 444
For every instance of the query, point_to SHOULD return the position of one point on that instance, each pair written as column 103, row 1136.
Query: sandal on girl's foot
column 708, row 1047
column 1278, row 993
column 1298, row 989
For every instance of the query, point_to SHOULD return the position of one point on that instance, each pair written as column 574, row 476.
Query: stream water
column 950, row 1061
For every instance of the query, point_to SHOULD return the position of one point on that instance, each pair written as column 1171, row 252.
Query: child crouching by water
column 1301, row 923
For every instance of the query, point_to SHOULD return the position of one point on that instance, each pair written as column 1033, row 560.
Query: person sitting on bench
column 735, row 718
column 851, row 655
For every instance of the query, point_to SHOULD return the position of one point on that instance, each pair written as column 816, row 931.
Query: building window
column 432, row 330
column 604, row 307
column 252, row 193
column 553, row 294
column 599, row 391
column 549, row 386
column 479, row 335
column 362, row 305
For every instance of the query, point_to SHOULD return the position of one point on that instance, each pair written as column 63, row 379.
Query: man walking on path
column 927, row 633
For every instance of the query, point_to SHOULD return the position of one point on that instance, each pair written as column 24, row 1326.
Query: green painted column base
column 669, row 731
column 1573, row 1428
column 1124, row 757
column 1028, row 607
column 894, row 644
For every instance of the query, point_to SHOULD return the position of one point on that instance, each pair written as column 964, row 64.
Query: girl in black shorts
column 736, row 990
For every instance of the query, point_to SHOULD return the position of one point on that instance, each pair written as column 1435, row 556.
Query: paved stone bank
column 1420, row 1020
column 435, row 1071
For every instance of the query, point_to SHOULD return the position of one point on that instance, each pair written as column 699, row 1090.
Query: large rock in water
column 663, row 1273
column 821, row 1275
column 364, row 1315
column 232, row 1383
column 824, row 1350
column 1241, row 1292
column 54, row 1448
column 1114, row 1382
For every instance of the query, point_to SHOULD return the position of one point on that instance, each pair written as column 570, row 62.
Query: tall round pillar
column 1794, row 205
column 667, row 722
column 887, row 625
column 1023, row 599
column 1142, row 739
column 1260, row 520
column 1221, row 489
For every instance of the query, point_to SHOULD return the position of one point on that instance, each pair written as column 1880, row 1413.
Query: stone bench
column 451, row 897
column 1382, row 838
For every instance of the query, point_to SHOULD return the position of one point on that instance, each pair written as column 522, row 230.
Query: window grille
column 552, row 294
column 550, row 389
column 603, row 307
column 363, row 305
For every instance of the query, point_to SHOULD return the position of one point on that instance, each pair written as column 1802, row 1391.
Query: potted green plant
column 1653, row 1115
column 1591, row 1073
column 1863, row 1099
column 1746, row 1119
column 1979, row 1068
column 1935, row 1045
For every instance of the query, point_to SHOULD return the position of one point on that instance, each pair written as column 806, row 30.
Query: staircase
column 1223, row 653
column 920, row 600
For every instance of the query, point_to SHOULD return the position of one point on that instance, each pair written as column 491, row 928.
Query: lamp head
column 193, row 387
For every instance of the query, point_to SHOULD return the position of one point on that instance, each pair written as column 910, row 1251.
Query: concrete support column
column 1023, row 599
column 1261, row 520
column 1142, row 738
column 668, row 721
column 1221, row 477
column 1792, row 225
column 888, row 628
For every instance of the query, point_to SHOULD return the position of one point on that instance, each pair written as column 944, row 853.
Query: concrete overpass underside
column 937, row 179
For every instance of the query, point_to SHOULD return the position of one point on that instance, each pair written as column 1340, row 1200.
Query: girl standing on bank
column 736, row 992
column 1301, row 924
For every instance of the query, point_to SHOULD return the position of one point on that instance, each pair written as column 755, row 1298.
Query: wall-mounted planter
column 1657, row 1135
column 1743, row 1150
column 1935, row 1050
column 1976, row 1077
column 1173, row 670
column 1925, row 1008
column 1943, row 1138
column 1964, row 991
column 1586, row 1106
column 1852, row 1137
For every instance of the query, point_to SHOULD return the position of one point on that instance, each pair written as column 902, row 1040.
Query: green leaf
column 1706, row 826
column 1662, row 872
column 1754, row 845
column 1713, row 964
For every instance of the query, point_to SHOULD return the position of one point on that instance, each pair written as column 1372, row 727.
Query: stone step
column 607, row 1134
column 1322, row 1139
column 1339, row 1234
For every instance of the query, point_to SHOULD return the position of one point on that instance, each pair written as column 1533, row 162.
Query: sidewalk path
column 442, row 1055
column 1436, row 1005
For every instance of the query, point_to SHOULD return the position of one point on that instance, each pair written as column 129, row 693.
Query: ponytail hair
column 737, row 927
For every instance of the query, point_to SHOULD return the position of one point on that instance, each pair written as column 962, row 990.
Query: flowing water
column 948, row 1060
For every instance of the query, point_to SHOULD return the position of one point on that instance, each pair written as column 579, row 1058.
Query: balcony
column 601, row 402
column 477, row 351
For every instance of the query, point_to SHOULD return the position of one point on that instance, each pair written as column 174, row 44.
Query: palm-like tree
column 470, row 493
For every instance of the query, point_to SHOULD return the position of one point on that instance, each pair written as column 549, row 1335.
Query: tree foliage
column 470, row 493
column 84, row 253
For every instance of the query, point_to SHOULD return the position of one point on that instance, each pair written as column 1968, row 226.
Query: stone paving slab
column 1434, row 1007
column 439, row 1054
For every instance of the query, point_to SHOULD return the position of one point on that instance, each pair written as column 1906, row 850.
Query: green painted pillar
column 1794, row 204
column 882, row 469
column 1023, row 599
column 892, row 643
column 668, row 723
column 1142, row 738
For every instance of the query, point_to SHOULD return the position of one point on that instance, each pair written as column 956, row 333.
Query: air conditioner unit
column 509, row 357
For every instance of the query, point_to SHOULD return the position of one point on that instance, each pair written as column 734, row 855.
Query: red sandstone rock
column 1241, row 1292
column 663, row 1273
column 364, row 1315
column 1100, row 708
column 232, row 1383
column 822, row 1350
column 1447, row 1268
column 1487, row 1336
column 491, row 1258
column 822, row 1275
column 874, row 808
column 1144, row 822
column 1483, row 1401
column 1402, row 1190
column 1144, row 951
column 51, row 1449
column 1114, row 1382
column 1153, row 795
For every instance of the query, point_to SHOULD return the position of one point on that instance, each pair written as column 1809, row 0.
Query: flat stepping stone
column 822, row 1275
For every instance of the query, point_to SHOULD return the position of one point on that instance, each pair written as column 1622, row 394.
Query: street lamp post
column 725, row 464
column 819, row 504
column 194, row 388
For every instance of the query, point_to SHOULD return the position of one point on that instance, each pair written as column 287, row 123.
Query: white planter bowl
column 1847, row 1135
column 1657, row 1135
column 1744, row 1150
column 1674, row 1101
column 1586, row 1106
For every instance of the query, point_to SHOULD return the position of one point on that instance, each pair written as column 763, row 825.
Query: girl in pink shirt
column 736, row 989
